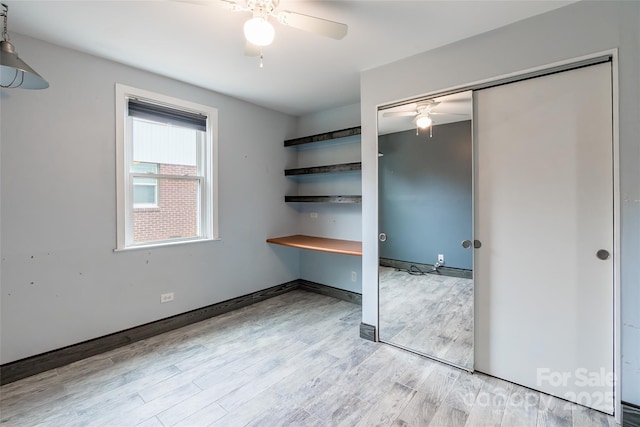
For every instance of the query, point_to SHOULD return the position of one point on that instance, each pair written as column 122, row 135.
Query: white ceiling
column 303, row 73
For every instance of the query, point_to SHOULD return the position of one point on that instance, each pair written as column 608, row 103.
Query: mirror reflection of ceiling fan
column 422, row 111
column 259, row 31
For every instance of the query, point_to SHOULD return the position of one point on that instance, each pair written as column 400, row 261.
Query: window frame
column 208, row 216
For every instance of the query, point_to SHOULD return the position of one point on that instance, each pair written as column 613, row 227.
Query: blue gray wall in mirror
column 426, row 197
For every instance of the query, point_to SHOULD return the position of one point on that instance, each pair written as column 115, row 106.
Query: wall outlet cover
column 166, row 297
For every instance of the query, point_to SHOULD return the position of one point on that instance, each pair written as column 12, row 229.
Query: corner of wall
column 343, row 222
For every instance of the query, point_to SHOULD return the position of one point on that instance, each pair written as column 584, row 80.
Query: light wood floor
column 431, row 314
column 293, row 360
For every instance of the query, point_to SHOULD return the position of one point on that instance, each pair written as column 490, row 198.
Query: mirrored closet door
column 425, row 193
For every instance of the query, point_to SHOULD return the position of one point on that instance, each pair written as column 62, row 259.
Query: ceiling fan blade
column 446, row 100
column 232, row 4
column 448, row 114
column 399, row 114
column 324, row 27
column 428, row 104
column 251, row 49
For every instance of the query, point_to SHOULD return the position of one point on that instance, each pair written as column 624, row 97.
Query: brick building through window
column 176, row 211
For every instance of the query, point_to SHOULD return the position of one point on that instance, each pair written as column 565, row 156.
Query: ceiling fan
column 423, row 111
column 259, row 32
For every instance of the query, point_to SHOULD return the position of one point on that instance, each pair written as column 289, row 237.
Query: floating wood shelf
column 323, row 199
column 327, row 136
column 323, row 244
column 343, row 167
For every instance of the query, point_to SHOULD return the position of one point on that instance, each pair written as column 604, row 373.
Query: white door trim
column 617, row 317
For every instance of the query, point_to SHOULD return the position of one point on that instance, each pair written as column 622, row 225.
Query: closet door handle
column 603, row 254
column 468, row 243
column 382, row 237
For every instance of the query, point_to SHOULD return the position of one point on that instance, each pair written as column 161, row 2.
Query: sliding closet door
column 544, row 216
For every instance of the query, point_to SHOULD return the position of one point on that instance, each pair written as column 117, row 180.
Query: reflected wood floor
column 431, row 314
column 292, row 360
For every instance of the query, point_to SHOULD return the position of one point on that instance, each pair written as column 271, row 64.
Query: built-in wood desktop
column 323, row 244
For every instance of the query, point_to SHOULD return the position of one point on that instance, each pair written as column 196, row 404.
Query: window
column 145, row 190
column 166, row 154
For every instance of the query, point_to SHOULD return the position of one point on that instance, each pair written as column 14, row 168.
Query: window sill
column 165, row 244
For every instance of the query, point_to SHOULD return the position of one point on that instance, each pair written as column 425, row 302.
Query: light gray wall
column 579, row 29
column 327, row 120
column 331, row 269
column 425, row 190
column 61, row 282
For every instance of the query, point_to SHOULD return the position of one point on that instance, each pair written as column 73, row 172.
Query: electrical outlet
column 354, row 276
column 166, row 297
column 313, row 215
column 440, row 259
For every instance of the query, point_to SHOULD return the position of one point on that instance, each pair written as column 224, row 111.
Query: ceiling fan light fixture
column 259, row 31
column 423, row 121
